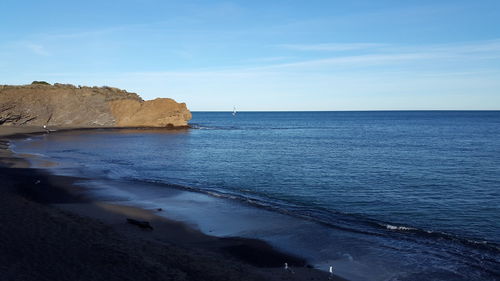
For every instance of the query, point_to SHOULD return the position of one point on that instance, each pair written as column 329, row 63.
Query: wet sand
column 52, row 231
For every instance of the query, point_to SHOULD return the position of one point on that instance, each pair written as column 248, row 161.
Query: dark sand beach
column 52, row 231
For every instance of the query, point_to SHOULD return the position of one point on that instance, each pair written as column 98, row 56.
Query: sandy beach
column 52, row 231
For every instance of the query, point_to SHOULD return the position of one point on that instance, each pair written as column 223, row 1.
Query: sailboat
column 234, row 110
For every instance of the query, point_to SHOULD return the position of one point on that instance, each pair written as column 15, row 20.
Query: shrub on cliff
column 39, row 83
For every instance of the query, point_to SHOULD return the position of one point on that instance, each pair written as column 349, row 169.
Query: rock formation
column 62, row 105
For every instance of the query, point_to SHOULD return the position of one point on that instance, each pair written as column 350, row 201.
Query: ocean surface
column 398, row 195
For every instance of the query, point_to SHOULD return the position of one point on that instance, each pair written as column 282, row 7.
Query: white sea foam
column 396, row 227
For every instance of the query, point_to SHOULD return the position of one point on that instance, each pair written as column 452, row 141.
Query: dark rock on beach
column 141, row 224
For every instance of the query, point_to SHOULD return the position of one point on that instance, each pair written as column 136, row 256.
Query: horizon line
column 347, row 110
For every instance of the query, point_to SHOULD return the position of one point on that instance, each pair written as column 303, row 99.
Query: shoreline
column 227, row 258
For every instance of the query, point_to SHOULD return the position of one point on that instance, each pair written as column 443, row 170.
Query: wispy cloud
column 37, row 49
column 356, row 60
column 387, row 54
column 486, row 46
column 266, row 59
column 333, row 47
column 477, row 55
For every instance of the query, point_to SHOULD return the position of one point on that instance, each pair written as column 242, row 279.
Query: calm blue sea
column 415, row 195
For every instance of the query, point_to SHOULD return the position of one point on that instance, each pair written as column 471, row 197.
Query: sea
column 378, row 195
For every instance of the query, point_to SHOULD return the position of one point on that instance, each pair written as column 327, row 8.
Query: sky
column 263, row 55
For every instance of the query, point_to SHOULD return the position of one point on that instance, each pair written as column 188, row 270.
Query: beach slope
column 51, row 231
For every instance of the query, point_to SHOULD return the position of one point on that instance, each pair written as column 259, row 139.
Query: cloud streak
column 332, row 47
column 390, row 54
column 37, row 49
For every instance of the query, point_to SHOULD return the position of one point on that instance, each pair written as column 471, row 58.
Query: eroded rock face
column 163, row 112
column 69, row 106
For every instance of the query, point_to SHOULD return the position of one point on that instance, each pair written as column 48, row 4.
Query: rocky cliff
column 62, row 105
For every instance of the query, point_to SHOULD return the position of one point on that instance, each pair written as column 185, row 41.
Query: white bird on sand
column 331, row 273
column 288, row 268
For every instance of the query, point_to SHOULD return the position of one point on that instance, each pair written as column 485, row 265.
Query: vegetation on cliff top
column 39, row 83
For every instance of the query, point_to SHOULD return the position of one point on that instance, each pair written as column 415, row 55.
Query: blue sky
column 263, row 55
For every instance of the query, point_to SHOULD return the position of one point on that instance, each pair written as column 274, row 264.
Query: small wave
column 430, row 234
column 11, row 146
column 396, row 227
column 204, row 127
column 67, row 150
column 348, row 257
